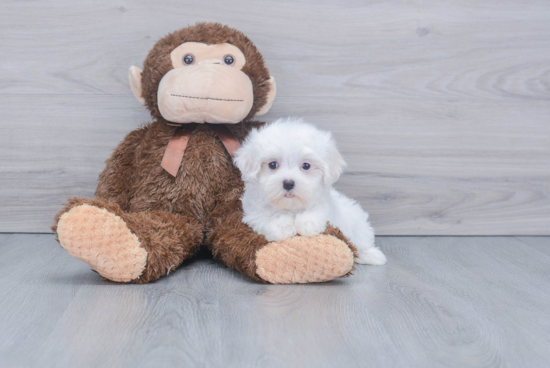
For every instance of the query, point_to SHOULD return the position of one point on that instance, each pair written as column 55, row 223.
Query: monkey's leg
column 295, row 260
column 126, row 247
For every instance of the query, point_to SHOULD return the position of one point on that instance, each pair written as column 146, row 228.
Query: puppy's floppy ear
column 247, row 158
column 334, row 165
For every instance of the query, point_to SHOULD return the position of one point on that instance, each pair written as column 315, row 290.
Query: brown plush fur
column 173, row 216
column 169, row 215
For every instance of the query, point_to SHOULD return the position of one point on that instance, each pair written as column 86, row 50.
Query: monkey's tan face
column 207, row 85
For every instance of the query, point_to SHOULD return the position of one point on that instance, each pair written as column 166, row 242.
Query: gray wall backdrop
column 440, row 107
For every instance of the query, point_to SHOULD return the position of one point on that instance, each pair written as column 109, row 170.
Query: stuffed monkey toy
column 170, row 187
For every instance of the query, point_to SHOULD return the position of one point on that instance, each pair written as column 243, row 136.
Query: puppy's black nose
column 288, row 184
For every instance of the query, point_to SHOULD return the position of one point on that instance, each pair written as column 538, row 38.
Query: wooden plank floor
column 440, row 301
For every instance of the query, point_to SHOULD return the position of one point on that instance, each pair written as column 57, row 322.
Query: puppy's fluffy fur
column 288, row 168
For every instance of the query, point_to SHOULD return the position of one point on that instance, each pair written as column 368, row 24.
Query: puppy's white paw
column 310, row 228
column 371, row 256
column 280, row 229
column 309, row 223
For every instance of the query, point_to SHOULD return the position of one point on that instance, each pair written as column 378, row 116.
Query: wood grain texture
column 440, row 301
column 452, row 171
column 415, row 49
column 441, row 109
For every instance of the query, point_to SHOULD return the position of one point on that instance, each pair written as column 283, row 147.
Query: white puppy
column 288, row 168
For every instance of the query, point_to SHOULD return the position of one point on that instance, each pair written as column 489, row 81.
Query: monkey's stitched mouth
column 206, row 98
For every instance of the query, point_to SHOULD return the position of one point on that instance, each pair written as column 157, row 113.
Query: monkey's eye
column 306, row 166
column 228, row 60
column 188, row 59
column 273, row 165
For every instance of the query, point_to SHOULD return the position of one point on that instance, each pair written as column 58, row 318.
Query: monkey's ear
column 270, row 97
column 135, row 82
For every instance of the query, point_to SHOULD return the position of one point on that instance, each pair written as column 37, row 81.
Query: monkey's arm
column 116, row 179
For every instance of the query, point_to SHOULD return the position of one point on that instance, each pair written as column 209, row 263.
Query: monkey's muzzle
column 212, row 93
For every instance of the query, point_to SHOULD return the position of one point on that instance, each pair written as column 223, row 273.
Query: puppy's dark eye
column 188, row 59
column 273, row 165
column 306, row 166
column 228, row 60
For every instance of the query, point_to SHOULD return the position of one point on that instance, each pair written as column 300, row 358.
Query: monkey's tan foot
column 102, row 239
column 301, row 260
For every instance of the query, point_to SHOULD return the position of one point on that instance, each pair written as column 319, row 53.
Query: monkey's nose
column 209, row 61
column 288, row 184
